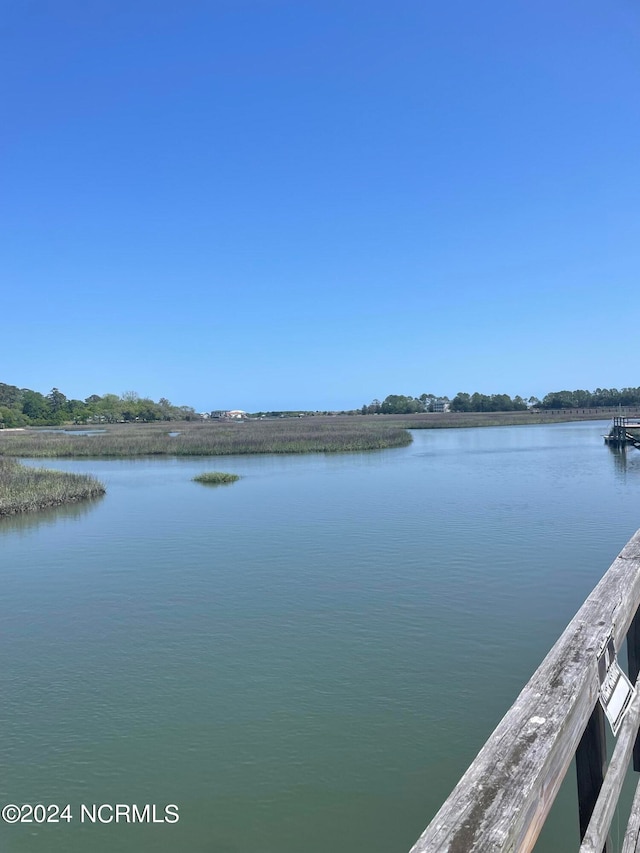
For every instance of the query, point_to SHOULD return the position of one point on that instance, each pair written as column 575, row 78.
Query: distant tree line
column 23, row 407
column 397, row 404
column 598, row 399
column 488, row 403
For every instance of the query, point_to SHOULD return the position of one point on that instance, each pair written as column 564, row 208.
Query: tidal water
column 307, row 659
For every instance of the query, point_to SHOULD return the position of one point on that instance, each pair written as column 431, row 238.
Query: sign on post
column 616, row 691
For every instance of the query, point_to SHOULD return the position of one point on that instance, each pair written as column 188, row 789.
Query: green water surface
column 307, row 659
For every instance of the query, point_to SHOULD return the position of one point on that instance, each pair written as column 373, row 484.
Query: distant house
column 232, row 414
column 440, row 405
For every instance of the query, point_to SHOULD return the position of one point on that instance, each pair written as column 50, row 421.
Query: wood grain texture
column 631, row 843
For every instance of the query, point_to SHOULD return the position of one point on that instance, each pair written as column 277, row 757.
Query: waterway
column 307, row 659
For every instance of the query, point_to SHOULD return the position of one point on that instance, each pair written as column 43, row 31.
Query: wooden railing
column 502, row 801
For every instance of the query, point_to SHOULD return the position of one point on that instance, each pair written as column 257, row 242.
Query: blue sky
column 265, row 204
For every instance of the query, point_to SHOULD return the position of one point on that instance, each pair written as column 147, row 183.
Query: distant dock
column 624, row 431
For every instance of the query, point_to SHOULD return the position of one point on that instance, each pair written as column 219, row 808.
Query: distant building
column 232, row 414
column 440, row 405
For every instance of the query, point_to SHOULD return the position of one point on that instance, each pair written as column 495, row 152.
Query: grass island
column 216, row 478
column 25, row 489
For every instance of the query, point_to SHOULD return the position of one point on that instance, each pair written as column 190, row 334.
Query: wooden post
column 591, row 765
column 633, row 652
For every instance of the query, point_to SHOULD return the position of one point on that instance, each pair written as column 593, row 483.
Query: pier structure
column 624, row 431
column 502, row 801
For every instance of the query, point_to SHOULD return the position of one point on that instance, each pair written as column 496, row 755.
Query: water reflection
column 619, row 457
column 626, row 459
column 22, row 522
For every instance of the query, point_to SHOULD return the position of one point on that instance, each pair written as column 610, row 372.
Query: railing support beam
column 591, row 766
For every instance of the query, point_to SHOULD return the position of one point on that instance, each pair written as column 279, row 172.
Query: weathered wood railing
column 502, row 801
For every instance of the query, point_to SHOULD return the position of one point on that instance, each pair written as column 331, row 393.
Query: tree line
column 398, row 404
column 598, row 399
column 24, row 407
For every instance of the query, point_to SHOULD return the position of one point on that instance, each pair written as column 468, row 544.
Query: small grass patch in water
column 216, row 478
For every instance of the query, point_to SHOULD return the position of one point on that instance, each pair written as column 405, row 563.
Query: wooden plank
column 595, row 837
column 631, row 843
column 501, row 802
column 591, row 765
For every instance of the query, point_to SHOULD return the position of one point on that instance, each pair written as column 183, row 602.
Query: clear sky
column 280, row 204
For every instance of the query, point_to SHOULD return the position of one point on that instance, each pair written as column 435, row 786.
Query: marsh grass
column 319, row 434
column 459, row 420
column 216, row 478
column 25, row 489
column 296, row 435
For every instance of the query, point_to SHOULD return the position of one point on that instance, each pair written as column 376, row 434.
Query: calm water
column 307, row 659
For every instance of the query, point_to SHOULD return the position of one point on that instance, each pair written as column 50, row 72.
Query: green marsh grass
column 25, row 489
column 459, row 420
column 217, row 438
column 216, row 478
column 313, row 434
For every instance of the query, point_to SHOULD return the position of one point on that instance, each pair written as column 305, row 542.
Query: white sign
column 616, row 691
